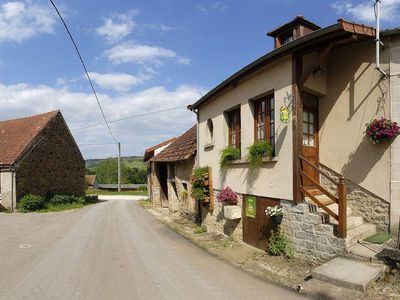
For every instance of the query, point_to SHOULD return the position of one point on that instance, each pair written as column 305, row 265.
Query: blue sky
column 142, row 56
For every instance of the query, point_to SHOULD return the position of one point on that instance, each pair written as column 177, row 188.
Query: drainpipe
column 378, row 42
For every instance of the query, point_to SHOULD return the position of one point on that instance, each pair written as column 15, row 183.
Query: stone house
column 170, row 173
column 38, row 155
column 310, row 98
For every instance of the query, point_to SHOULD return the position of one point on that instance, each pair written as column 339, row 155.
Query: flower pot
column 276, row 221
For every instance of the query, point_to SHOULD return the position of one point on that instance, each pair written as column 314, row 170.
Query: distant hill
column 129, row 161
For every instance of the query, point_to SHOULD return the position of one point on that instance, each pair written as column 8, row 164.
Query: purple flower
column 227, row 195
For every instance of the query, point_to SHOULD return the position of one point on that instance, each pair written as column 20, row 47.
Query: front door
column 256, row 226
column 163, row 179
column 310, row 137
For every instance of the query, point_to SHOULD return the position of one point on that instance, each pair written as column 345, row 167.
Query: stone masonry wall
column 154, row 184
column 54, row 166
column 372, row 208
column 215, row 221
column 311, row 239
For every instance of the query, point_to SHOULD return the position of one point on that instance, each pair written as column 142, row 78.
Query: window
column 286, row 38
column 234, row 127
column 210, row 131
column 264, row 117
column 308, row 128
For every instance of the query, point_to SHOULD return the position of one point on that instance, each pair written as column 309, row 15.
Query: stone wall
column 179, row 186
column 311, row 239
column 215, row 221
column 363, row 203
column 154, row 185
column 54, row 166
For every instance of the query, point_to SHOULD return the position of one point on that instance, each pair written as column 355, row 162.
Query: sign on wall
column 251, row 206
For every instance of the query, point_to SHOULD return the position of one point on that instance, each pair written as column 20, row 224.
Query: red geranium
column 380, row 130
column 227, row 195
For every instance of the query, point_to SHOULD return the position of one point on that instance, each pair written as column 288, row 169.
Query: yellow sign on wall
column 284, row 114
column 251, row 206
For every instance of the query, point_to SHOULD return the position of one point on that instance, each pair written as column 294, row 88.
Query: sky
column 143, row 56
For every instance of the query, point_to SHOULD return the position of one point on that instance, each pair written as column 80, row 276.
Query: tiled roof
column 90, row 179
column 18, row 134
column 183, row 148
column 149, row 152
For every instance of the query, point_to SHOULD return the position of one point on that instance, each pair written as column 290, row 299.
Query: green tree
column 107, row 172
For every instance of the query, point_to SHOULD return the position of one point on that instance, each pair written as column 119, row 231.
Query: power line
column 100, row 144
column 86, row 71
column 131, row 117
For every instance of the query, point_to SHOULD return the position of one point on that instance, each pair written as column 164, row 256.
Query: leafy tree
column 107, row 172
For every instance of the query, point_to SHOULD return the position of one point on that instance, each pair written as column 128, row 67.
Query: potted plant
column 257, row 151
column 381, row 130
column 228, row 154
column 227, row 195
column 275, row 214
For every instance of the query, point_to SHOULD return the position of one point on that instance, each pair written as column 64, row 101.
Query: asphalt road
column 113, row 250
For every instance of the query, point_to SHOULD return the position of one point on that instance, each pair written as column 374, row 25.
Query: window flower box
column 232, row 212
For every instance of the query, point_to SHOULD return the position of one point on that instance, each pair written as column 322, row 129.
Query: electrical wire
column 100, row 144
column 131, row 117
column 86, row 71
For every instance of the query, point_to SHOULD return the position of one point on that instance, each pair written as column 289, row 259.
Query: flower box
column 232, row 212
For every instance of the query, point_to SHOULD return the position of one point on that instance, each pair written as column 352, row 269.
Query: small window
column 264, row 120
column 210, row 131
column 286, row 38
column 234, row 127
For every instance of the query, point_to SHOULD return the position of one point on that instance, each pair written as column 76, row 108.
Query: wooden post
column 342, row 226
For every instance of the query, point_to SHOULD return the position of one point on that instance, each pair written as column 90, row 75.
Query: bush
column 228, row 154
column 62, row 199
column 31, row 203
column 257, row 151
column 142, row 188
column 279, row 244
column 200, row 229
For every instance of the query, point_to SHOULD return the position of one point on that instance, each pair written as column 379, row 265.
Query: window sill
column 245, row 161
column 209, row 146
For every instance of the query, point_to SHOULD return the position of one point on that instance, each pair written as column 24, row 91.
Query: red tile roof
column 183, row 148
column 149, row 152
column 18, row 134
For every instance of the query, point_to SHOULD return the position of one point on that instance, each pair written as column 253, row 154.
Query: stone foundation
column 363, row 203
column 311, row 239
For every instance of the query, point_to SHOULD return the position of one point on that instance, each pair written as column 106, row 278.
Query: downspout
column 378, row 42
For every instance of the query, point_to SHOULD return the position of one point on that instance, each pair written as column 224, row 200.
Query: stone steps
column 348, row 273
column 359, row 233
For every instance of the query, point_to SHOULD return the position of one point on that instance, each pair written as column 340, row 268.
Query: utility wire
column 131, row 117
column 100, row 144
column 86, row 71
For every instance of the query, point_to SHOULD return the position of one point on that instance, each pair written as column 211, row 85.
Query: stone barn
column 38, row 155
column 171, row 173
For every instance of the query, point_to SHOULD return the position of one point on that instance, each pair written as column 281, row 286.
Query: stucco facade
column 273, row 79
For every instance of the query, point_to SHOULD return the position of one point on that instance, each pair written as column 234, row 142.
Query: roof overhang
column 314, row 40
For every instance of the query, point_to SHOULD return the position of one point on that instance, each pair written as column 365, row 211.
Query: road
column 114, row 250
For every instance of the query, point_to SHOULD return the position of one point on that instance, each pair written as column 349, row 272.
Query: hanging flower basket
column 381, row 130
column 227, row 196
column 276, row 220
column 275, row 214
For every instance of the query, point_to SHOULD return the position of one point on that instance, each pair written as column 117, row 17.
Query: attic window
column 286, row 38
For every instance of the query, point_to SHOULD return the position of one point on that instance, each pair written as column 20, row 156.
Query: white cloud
column 117, row 26
column 131, row 53
column 80, row 109
column 389, row 10
column 120, row 82
column 20, row 21
column 213, row 6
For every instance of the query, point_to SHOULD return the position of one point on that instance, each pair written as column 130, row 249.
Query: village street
column 114, row 250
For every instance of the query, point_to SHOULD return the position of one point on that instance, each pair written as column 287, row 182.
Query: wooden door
column 256, row 226
column 163, row 179
column 310, row 149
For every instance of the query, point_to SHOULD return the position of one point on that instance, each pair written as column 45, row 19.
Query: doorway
column 163, row 179
column 310, row 148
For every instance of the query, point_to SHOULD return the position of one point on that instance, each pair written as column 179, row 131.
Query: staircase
column 357, row 229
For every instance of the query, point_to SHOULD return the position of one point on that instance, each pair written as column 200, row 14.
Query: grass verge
column 145, row 203
column 61, row 207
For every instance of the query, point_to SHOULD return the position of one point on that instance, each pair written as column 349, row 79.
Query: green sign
column 284, row 114
column 251, row 206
